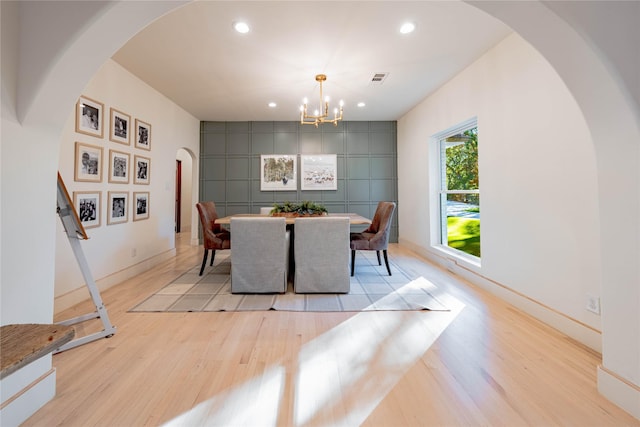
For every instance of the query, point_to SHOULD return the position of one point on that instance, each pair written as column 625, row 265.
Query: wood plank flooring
column 492, row 366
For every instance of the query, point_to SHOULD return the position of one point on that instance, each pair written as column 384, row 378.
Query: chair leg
column 378, row 255
column 204, row 261
column 386, row 261
column 213, row 255
column 353, row 262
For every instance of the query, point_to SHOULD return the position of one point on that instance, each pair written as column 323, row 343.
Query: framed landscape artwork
column 142, row 170
column 278, row 172
column 118, row 167
column 89, row 205
column 90, row 117
column 143, row 135
column 141, row 205
column 117, row 207
column 318, row 171
column 120, row 127
column 88, row 163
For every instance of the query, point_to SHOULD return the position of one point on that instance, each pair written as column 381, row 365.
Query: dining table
column 354, row 219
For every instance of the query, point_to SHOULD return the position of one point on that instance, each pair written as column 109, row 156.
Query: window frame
column 440, row 192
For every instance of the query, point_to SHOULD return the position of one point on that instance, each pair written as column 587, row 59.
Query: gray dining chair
column 259, row 255
column 321, row 255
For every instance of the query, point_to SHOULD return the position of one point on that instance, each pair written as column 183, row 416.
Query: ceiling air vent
column 378, row 78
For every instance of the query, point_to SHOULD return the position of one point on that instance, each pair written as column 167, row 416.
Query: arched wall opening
column 189, row 193
column 45, row 94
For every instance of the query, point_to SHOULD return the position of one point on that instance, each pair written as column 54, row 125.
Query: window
column 460, row 190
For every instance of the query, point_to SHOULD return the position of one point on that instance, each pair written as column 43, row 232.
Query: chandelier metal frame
column 320, row 117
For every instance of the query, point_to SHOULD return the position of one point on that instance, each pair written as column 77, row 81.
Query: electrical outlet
column 133, row 252
column 593, row 304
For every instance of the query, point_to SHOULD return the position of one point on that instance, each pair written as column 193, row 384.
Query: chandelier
column 320, row 116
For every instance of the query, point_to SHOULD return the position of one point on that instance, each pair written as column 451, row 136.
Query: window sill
column 460, row 258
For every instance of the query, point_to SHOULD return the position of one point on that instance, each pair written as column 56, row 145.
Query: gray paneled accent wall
column 367, row 164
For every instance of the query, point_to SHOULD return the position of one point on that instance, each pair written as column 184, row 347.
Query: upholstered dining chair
column 376, row 236
column 321, row 255
column 259, row 255
column 215, row 238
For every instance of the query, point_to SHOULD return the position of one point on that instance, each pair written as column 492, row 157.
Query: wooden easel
column 75, row 231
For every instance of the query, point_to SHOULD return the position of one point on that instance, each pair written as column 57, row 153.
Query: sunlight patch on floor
column 340, row 376
column 254, row 403
column 351, row 368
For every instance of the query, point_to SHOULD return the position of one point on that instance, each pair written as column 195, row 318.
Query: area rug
column 372, row 289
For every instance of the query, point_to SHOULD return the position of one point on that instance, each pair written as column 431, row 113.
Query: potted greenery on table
column 304, row 208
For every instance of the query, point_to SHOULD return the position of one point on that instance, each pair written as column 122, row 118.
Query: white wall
column 43, row 73
column 115, row 251
column 539, row 212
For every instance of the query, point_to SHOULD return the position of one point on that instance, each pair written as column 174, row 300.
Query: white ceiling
column 194, row 57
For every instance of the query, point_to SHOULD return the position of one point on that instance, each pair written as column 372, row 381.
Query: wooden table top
column 354, row 219
column 21, row 344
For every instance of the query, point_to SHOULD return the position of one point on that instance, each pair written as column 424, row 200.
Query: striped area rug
column 372, row 289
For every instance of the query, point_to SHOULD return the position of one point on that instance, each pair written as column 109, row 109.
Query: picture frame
column 140, row 205
column 117, row 207
column 88, row 163
column 90, row 117
column 141, row 170
column 318, row 172
column 118, row 167
column 88, row 205
column 120, row 130
column 143, row 135
column 278, row 172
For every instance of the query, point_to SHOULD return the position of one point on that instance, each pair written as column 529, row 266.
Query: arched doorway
column 50, row 83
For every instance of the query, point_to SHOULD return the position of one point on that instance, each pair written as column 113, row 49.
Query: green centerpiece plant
column 304, row 208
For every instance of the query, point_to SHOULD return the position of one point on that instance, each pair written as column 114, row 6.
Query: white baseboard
column 16, row 409
column 582, row 333
column 62, row 302
column 619, row 391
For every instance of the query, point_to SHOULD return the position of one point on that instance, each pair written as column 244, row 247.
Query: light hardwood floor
column 492, row 366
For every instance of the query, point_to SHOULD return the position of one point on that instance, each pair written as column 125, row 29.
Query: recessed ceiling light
column 241, row 27
column 361, row 104
column 407, row 28
column 273, row 105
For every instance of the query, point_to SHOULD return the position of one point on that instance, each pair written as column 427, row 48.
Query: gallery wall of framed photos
column 122, row 161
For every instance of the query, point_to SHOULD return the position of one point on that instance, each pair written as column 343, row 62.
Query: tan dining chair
column 214, row 237
column 259, row 255
column 376, row 236
column 321, row 255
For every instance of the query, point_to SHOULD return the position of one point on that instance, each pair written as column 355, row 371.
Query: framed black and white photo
column 88, row 163
column 143, row 135
column 117, row 207
column 120, row 127
column 88, row 205
column 318, row 171
column 142, row 170
column 141, row 205
column 278, row 172
column 118, row 167
column 90, row 117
